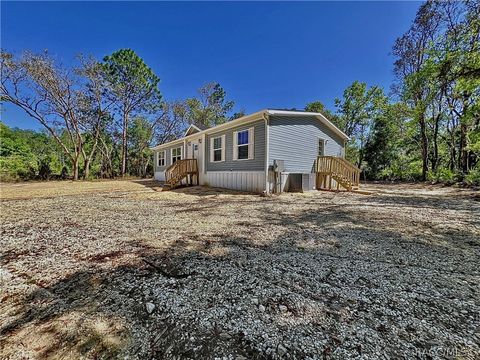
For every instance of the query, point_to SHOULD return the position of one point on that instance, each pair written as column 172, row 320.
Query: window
column 161, row 158
column 243, row 144
column 217, row 149
column 321, row 147
column 176, row 154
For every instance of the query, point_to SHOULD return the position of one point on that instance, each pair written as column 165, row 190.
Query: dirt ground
column 116, row 269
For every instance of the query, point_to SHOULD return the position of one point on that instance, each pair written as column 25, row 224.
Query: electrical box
column 278, row 165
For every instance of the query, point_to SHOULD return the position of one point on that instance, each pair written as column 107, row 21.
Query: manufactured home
column 269, row 151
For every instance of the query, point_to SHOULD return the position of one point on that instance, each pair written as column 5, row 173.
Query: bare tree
column 94, row 107
column 47, row 93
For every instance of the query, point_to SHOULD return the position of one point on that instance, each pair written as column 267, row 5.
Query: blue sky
column 265, row 54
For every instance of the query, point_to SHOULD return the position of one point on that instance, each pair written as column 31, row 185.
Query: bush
column 444, row 175
column 473, row 176
column 15, row 168
column 44, row 172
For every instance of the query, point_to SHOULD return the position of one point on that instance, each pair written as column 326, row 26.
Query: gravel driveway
column 118, row 269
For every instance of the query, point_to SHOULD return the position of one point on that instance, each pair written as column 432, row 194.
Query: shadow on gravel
column 330, row 270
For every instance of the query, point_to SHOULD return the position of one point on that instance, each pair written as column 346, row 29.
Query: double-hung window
column 243, row 144
column 161, row 158
column 321, row 147
column 176, row 154
column 217, row 149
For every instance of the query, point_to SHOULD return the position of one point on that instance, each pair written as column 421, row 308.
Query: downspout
column 267, row 152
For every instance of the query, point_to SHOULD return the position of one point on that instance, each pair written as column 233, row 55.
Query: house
column 267, row 151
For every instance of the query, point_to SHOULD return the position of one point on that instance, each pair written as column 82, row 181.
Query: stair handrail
column 340, row 167
column 181, row 167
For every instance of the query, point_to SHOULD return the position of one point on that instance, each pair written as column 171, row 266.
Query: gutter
column 318, row 115
column 243, row 120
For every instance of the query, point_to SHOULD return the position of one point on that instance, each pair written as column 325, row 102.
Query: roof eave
column 316, row 114
column 244, row 119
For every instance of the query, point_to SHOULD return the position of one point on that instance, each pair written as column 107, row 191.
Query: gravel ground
column 115, row 269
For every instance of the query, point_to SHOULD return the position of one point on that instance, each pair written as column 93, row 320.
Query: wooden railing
column 338, row 169
column 179, row 170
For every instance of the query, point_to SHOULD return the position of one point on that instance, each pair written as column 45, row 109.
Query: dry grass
column 317, row 275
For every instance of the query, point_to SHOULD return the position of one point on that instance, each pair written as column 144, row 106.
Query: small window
column 242, row 143
column 217, row 149
column 161, row 158
column 176, row 154
column 321, row 147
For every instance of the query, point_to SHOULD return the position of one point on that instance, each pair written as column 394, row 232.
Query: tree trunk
column 124, row 144
column 423, row 133
column 462, row 150
column 75, row 168
column 435, row 144
column 86, row 170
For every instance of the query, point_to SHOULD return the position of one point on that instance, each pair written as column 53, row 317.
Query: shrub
column 444, row 175
column 473, row 176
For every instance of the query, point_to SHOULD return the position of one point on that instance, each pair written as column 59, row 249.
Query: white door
column 195, row 151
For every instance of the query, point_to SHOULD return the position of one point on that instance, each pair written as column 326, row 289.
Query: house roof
column 195, row 128
column 262, row 114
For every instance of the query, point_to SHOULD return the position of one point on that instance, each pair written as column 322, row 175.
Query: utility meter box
column 278, row 165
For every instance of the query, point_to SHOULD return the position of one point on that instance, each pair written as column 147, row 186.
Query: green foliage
column 140, row 134
column 443, row 175
column 26, row 154
column 318, row 106
column 473, row 177
column 211, row 107
column 133, row 84
column 386, row 144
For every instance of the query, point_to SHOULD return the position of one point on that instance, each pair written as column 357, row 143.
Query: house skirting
column 159, row 175
column 253, row 181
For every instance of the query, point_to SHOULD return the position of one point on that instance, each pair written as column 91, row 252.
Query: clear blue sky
column 265, row 54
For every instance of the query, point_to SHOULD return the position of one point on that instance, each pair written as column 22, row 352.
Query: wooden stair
column 333, row 168
column 185, row 169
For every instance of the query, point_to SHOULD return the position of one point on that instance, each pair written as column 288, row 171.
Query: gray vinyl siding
column 294, row 139
column 168, row 157
column 255, row 164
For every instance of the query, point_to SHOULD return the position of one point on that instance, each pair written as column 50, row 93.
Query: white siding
column 253, row 181
column 160, row 175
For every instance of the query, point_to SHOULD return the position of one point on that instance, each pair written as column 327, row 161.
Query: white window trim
column 251, row 146
column 181, row 152
column 222, row 149
column 164, row 158
column 318, row 146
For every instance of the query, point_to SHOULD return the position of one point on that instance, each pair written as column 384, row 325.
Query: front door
column 195, row 152
column 195, row 149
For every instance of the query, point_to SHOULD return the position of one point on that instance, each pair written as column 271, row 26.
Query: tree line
column 101, row 116
column 428, row 125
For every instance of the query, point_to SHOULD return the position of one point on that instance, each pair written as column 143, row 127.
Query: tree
column 385, row 150
column 318, row 106
column 48, row 93
column 356, row 110
column 140, row 136
column 210, row 108
column 133, row 87
column 94, row 107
